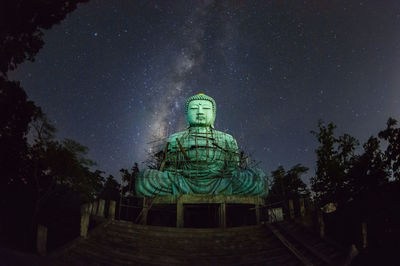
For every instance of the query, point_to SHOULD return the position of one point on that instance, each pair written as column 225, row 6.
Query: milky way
column 114, row 75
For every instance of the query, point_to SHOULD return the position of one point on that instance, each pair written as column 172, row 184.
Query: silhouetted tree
column 110, row 190
column 365, row 185
column 129, row 180
column 21, row 37
column 16, row 112
column 57, row 164
column 288, row 185
column 369, row 172
column 278, row 189
column 34, row 176
column 22, row 25
column 334, row 160
column 392, row 153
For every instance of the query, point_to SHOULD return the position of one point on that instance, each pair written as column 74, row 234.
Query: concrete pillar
column 302, row 207
column 145, row 211
column 100, row 210
column 41, row 239
column 291, row 209
column 85, row 216
column 90, row 208
column 111, row 210
column 179, row 213
column 321, row 224
column 222, row 215
column 258, row 213
column 95, row 206
column 364, row 234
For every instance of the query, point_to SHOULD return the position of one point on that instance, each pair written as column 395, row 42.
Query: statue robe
column 201, row 161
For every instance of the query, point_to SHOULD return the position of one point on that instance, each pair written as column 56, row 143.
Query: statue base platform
column 220, row 201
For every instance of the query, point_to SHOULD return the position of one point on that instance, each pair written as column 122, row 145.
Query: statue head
column 201, row 110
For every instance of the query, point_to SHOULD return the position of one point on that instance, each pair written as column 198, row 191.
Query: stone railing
column 311, row 216
column 95, row 209
column 286, row 210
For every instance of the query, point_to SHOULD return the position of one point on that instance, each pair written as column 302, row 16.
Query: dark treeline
column 42, row 179
column 358, row 187
column 363, row 186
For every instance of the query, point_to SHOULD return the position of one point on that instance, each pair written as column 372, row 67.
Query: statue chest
column 197, row 148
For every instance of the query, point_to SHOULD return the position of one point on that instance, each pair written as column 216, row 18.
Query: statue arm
column 233, row 152
column 174, row 154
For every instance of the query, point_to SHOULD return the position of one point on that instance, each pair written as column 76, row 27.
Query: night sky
column 114, row 75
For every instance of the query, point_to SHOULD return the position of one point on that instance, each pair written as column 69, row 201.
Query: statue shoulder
column 177, row 135
column 224, row 135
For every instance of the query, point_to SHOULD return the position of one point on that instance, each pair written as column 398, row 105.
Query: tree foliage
column 16, row 112
column 343, row 176
column 129, row 180
column 33, row 175
column 365, row 186
column 334, row 160
column 57, row 164
column 23, row 24
column 21, row 37
column 288, row 184
column 392, row 153
column 111, row 189
column 369, row 171
column 54, row 176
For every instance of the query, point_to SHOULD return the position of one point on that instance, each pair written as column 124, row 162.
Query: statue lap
column 201, row 161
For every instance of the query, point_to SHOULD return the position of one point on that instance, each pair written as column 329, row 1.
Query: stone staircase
column 125, row 243
column 329, row 252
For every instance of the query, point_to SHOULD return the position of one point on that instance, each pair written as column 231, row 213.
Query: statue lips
column 200, row 117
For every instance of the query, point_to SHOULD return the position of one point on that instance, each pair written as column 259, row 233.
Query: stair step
column 125, row 243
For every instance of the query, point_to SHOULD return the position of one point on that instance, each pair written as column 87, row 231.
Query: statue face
column 200, row 113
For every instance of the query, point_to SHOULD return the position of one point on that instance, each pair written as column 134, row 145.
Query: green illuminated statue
column 201, row 160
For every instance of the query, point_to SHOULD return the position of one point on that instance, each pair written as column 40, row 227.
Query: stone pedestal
column 221, row 200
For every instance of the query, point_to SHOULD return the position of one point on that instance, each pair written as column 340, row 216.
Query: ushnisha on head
column 200, row 110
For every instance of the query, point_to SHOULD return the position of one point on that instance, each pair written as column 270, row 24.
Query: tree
column 369, row 172
column 128, row 192
column 392, row 153
column 278, row 186
column 58, row 164
column 29, row 173
column 21, row 37
column 334, row 160
column 23, row 22
column 129, row 179
column 288, row 185
column 16, row 114
column 110, row 190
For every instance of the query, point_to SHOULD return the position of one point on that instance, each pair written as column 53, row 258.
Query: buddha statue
column 201, row 160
